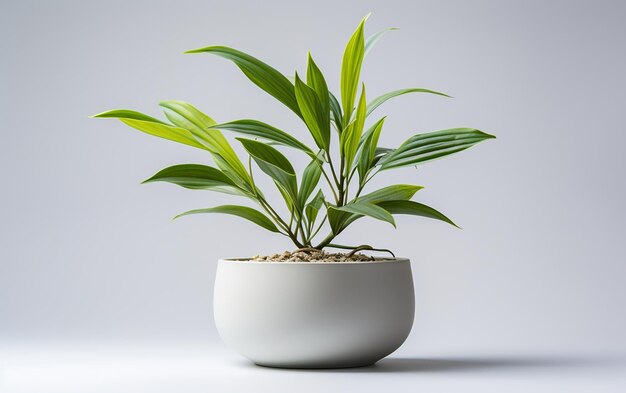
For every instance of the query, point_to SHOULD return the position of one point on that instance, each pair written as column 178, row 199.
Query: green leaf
column 391, row 193
column 351, row 71
column 316, row 80
column 378, row 101
column 310, row 179
column 192, row 176
column 381, row 151
column 344, row 139
column 352, row 137
column 312, row 208
column 415, row 209
column 368, row 209
column 187, row 116
column 313, row 114
column 152, row 126
column 367, row 150
column 339, row 219
column 335, row 111
column 373, row 39
column 242, row 211
column 275, row 165
column 426, row 147
column 261, row 74
column 128, row 114
column 265, row 131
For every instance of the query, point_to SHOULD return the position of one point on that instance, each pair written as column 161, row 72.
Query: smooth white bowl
column 314, row 314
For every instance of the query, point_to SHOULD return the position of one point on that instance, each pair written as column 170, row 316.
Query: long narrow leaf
column 242, row 211
column 335, row 110
column 367, row 149
column 316, row 80
column 310, row 179
column 152, row 126
column 192, row 176
column 128, row 114
column 373, row 39
column 415, row 209
column 201, row 177
column 351, row 70
column 391, row 193
column 313, row 114
column 187, row 116
column 351, row 139
column 339, row 219
column 260, row 73
column 265, row 131
column 378, row 101
column 429, row 146
column 275, row 165
column 370, row 210
column 312, row 208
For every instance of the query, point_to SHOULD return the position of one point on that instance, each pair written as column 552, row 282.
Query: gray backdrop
column 87, row 253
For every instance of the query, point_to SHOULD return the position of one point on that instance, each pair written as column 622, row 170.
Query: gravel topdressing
column 315, row 256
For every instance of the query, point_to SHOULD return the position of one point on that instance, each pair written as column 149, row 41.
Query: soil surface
column 311, row 255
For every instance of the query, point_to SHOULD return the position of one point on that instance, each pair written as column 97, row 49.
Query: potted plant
column 308, row 308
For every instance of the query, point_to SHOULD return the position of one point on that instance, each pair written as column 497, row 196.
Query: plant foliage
column 328, row 193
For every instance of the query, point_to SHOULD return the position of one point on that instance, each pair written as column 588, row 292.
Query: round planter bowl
column 314, row 314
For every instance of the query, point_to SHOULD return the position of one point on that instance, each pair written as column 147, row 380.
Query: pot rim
column 304, row 263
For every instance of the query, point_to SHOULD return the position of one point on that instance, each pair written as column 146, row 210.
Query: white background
column 99, row 289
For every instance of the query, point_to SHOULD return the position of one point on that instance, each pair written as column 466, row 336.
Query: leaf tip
column 454, row 224
column 201, row 50
column 192, row 51
column 488, row 136
column 101, row 114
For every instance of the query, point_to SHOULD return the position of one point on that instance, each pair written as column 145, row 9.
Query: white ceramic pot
column 314, row 314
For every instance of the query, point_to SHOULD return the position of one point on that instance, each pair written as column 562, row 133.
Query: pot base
column 315, row 366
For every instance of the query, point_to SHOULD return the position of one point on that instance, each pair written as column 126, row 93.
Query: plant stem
column 332, row 188
column 326, row 241
column 361, row 186
column 266, row 206
column 302, row 233
column 351, row 176
column 332, row 170
column 341, row 184
column 318, row 229
column 291, row 220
